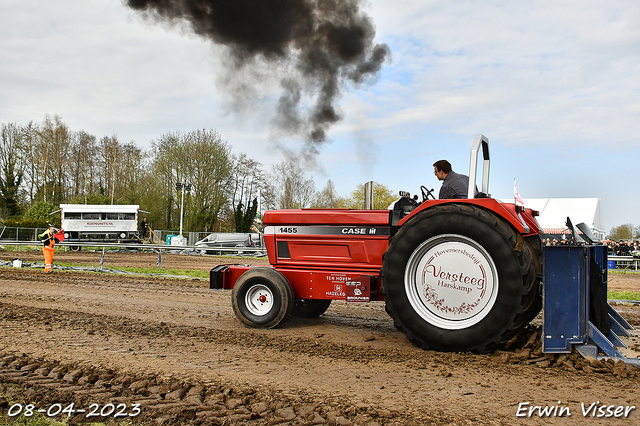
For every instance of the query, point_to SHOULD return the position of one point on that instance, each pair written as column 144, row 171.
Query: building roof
column 100, row 208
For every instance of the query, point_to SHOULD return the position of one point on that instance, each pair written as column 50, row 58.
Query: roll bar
column 480, row 141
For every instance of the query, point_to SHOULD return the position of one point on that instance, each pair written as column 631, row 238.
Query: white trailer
column 98, row 222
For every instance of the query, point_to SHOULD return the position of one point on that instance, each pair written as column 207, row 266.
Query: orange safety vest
column 49, row 247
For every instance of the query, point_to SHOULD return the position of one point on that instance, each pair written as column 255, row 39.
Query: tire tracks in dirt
column 164, row 397
column 177, row 345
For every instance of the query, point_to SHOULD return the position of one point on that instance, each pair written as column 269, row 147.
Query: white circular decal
column 451, row 281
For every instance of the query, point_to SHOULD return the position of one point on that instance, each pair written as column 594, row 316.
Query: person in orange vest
column 50, row 238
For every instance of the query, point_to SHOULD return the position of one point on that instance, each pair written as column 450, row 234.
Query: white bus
column 97, row 222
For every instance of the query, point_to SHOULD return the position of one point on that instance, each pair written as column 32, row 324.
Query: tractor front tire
column 262, row 298
column 458, row 278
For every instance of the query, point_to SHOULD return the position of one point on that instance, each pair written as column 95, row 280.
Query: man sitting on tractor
column 454, row 185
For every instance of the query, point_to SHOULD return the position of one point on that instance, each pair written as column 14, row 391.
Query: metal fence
column 159, row 248
column 623, row 262
column 8, row 233
column 160, row 241
column 192, row 237
column 20, row 234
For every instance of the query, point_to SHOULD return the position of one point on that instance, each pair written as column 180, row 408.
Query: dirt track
column 175, row 347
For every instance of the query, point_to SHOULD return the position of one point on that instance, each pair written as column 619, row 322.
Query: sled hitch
column 576, row 312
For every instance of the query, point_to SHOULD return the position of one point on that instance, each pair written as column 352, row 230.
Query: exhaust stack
column 368, row 195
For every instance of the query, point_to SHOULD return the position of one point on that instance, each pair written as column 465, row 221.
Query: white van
column 228, row 239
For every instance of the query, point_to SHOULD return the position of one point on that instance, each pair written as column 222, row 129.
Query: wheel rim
column 451, row 281
column 259, row 300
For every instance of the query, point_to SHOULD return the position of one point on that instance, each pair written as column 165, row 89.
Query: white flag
column 516, row 194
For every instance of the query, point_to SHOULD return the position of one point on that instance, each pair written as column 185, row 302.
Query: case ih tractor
column 455, row 275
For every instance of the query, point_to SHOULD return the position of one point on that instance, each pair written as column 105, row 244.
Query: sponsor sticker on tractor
column 336, row 286
column 358, row 289
column 456, row 281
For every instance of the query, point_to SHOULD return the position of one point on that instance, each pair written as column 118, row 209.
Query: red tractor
column 455, row 275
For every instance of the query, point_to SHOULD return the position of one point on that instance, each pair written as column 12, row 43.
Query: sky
column 554, row 86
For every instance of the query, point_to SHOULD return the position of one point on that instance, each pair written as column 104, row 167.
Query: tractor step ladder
column 576, row 312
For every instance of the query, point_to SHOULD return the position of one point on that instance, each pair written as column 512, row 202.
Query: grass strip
column 39, row 419
column 623, row 271
column 136, row 270
column 623, row 295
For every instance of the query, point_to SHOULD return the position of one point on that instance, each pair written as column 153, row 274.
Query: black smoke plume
column 325, row 45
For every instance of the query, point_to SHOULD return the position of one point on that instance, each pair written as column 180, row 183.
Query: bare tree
column 31, row 160
column 248, row 179
column 207, row 163
column 622, row 232
column 53, row 150
column 11, row 168
column 200, row 158
column 110, row 162
column 83, row 175
column 328, row 198
column 163, row 178
column 382, row 197
column 290, row 189
column 131, row 175
column 54, row 164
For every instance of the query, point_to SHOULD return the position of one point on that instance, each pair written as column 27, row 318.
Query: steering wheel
column 426, row 193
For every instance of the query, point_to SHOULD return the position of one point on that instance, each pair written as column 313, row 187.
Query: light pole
column 183, row 187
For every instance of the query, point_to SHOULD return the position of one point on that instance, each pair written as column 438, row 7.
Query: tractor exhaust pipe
column 368, row 195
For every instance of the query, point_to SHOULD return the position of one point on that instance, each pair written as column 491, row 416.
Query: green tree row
column 46, row 164
column 625, row 232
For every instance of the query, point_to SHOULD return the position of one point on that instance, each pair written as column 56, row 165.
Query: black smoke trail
column 326, row 45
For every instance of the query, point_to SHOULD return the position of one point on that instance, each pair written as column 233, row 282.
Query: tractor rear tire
column 459, row 278
column 262, row 298
column 310, row 308
column 535, row 243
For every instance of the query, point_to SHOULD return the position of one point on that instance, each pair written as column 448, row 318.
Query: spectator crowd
column 614, row 248
column 553, row 241
column 623, row 248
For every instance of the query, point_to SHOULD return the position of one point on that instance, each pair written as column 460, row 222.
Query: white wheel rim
column 259, row 300
column 451, row 281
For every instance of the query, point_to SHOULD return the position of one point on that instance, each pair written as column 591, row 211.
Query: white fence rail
column 623, row 262
column 156, row 248
column 160, row 247
column 12, row 233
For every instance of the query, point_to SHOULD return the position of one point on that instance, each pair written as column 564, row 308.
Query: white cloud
column 537, row 72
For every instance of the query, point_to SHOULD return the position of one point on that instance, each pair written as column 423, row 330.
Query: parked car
column 225, row 239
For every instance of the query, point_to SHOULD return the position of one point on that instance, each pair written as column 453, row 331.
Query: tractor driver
column 454, row 185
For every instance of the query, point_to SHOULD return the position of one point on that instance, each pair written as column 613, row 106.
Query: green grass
column 39, row 419
column 623, row 271
column 201, row 274
column 12, row 247
column 30, row 417
column 183, row 272
column 623, row 295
